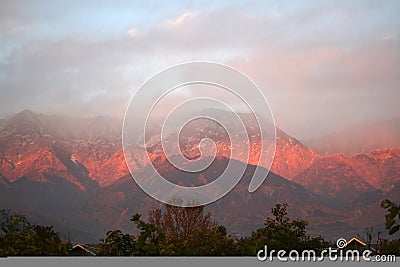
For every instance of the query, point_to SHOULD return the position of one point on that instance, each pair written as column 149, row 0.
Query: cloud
column 320, row 65
column 182, row 18
column 389, row 37
column 132, row 32
column 19, row 29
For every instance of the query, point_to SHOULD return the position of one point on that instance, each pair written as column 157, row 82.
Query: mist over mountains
column 72, row 173
column 360, row 138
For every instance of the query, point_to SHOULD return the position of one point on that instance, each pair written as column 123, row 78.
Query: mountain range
column 71, row 172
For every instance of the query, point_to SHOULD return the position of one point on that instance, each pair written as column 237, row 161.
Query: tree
column 182, row 231
column 178, row 222
column 18, row 237
column 280, row 232
column 46, row 242
column 369, row 236
column 191, row 231
column 150, row 237
column 117, row 244
column 393, row 215
column 14, row 230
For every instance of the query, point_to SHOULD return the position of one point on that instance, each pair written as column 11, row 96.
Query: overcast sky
column 321, row 64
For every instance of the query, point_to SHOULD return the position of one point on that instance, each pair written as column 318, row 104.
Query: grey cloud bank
column 328, row 64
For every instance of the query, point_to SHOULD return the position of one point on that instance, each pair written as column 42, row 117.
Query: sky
column 322, row 65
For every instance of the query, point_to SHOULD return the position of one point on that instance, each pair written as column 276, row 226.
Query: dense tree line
column 176, row 231
column 19, row 237
column 173, row 232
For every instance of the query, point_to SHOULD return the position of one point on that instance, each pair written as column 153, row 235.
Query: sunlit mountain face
column 71, row 172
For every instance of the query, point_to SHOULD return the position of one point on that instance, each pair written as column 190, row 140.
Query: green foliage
column 116, row 244
column 150, row 238
column 177, row 231
column 18, row 237
column 190, row 231
column 280, row 232
column 181, row 231
column 392, row 217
